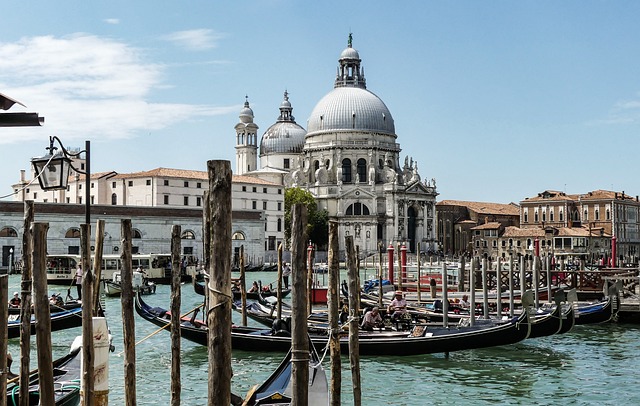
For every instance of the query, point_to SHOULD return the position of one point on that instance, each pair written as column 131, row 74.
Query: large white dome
column 351, row 108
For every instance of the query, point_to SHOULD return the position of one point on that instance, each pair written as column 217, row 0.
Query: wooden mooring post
column 354, row 319
column 472, row 291
column 299, row 303
column 176, row 300
column 485, row 288
column 4, row 335
column 333, row 305
column 42, row 312
column 280, row 264
column 87, row 394
column 128, row 323
column 511, row 287
column 219, row 286
column 25, row 310
column 243, row 286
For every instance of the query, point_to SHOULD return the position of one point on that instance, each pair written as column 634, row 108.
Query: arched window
column 8, row 232
column 357, row 209
column 114, row 199
column 362, row 170
column 135, row 233
column 188, row 235
column 279, row 225
column 238, row 235
column 72, row 233
column 346, row 170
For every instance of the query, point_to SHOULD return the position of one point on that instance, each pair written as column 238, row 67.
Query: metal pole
column 87, row 204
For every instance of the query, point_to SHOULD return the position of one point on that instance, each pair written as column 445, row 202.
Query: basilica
column 349, row 160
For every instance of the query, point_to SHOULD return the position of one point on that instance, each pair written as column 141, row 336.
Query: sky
column 498, row 101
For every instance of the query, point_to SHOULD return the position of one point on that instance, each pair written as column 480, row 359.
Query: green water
column 590, row 365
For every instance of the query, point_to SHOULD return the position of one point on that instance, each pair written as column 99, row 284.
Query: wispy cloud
column 113, row 21
column 84, row 84
column 195, row 40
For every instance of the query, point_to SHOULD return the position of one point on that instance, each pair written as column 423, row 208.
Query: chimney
column 22, row 176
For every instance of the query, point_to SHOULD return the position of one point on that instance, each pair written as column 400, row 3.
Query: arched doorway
column 411, row 228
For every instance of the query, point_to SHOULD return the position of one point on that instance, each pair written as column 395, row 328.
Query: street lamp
column 52, row 170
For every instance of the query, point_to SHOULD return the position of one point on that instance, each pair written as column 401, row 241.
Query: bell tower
column 246, row 141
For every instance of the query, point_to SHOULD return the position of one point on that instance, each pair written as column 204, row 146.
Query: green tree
column 317, row 220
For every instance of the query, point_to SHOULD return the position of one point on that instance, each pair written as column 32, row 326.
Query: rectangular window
column 186, row 183
column 166, row 182
column 92, row 200
column 148, row 182
column 264, row 205
column 91, row 185
column 130, row 183
column 80, row 186
column 68, row 200
column 198, row 201
column 279, row 206
column 254, row 205
column 113, row 184
column 272, row 243
column 244, row 188
column 199, row 185
column 254, row 189
column 286, row 163
column 166, row 199
column 279, row 191
column 186, row 200
column 264, row 190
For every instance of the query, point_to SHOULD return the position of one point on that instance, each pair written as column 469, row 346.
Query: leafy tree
column 317, row 220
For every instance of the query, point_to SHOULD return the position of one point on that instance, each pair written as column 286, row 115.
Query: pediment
column 357, row 193
column 419, row 188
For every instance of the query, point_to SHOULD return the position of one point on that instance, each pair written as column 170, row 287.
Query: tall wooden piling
column 87, row 394
column 523, row 276
column 461, row 272
column 243, row 287
column 472, row 291
column 354, row 319
column 418, row 283
column 380, row 270
column 548, row 270
column 42, row 312
column 128, row 323
column 400, row 269
column 485, row 288
column 219, row 287
column 176, row 299
column 333, row 305
column 310, row 259
column 511, row 287
column 299, row 338
column 536, row 281
column 445, row 296
column 25, row 310
column 498, row 288
column 4, row 335
column 280, row 264
column 97, row 265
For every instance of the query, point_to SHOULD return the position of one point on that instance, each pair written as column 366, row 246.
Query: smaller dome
column 349, row 53
column 246, row 114
column 283, row 137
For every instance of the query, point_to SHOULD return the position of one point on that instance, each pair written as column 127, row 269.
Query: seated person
column 372, row 319
column 254, row 287
column 464, row 302
column 15, row 300
column 56, row 300
column 398, row 306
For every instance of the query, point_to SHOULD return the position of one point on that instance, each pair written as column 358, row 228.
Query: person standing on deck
column 286, row 271
column 78, row 277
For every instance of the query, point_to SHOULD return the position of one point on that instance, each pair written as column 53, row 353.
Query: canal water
column 595, row 364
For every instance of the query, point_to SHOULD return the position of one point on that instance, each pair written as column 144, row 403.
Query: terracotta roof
column 493, row 225
column 512, row 231
column 98, row 175
column 551, row 195
column 605, row 194
column 190, row 174
column 485, row 208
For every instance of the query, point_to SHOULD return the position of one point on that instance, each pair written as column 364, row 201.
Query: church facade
column 349, row 158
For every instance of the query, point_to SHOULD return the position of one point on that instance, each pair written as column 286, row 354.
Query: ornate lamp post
column 52, row 170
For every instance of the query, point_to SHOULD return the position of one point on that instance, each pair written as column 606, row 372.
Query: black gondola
column 66, row 381
column 592, row 313
column 421, row 340
column 276, row 390
column 59, row 321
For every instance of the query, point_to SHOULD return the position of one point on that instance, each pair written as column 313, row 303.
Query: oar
column 163, row 327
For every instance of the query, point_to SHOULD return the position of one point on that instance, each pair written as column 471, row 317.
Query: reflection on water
column 589, row 365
